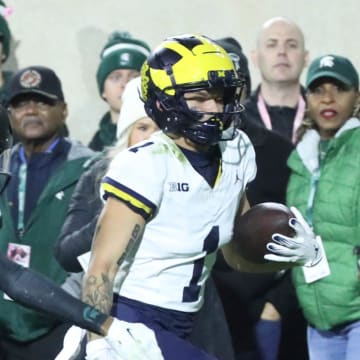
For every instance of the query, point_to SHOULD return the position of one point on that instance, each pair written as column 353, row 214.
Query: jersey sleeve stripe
column 137, row 202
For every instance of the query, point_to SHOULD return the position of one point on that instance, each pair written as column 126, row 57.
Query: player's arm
column 233, row 256
column 230, row 251
column 117, row 237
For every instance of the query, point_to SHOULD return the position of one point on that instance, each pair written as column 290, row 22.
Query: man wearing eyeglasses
column 44, row 167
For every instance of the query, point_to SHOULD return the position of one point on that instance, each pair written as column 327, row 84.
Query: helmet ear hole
column 159, row 105
column 164, row 101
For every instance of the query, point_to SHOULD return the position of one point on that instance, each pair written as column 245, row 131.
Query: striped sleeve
column 135, row 201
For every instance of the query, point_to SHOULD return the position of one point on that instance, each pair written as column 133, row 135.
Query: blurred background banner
column 68, row 36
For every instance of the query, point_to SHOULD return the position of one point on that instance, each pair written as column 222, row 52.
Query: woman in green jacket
column 325, row 187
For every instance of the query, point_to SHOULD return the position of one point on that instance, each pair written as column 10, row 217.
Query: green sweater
column 42, row 230
column 335, row 214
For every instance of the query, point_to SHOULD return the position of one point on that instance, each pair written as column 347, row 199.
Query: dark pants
column 171, row 327
column 210, row 331
column 43, row 348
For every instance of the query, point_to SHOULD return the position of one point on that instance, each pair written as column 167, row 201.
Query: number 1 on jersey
column 211, row 243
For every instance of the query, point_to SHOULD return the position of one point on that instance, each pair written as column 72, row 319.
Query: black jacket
column 245, row 294
column 282, row 117
column 83, row 212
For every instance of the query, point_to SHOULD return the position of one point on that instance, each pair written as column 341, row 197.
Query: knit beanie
column 132, row 108
column 121, row 51
column 5, row 35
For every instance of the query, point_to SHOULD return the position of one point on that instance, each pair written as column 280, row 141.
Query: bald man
column 277, row 104
column 280, row 55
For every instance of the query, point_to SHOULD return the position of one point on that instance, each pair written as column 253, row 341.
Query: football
column 253, row 230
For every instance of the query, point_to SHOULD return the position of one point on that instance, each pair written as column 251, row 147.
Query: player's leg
column 170, row 328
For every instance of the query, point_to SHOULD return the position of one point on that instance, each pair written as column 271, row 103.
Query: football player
column 171, row 200
column 34, row 290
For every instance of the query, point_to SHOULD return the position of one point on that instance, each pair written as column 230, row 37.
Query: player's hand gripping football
column 125, row 341
column 302, row 249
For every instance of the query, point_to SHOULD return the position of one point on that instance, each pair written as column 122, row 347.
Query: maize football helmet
column 190, row 63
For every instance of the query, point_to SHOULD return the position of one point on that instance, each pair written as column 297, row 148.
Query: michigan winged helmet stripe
column 189, row 62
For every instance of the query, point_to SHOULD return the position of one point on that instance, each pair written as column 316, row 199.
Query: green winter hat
column 333, row 66
column 5, row 35
column 121, row 51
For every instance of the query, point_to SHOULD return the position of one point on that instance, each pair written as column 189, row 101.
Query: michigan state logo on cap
column 124, row 59
column 333, row 66
column 327, row 61
column 30, row 79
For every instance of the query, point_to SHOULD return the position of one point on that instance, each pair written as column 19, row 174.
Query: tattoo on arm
column 99, row 290
column 99, row 293
column 132, row 245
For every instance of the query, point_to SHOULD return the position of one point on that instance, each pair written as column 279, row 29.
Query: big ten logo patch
column 178, row 186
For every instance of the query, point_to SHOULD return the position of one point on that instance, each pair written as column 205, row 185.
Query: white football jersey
column 187, row 219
